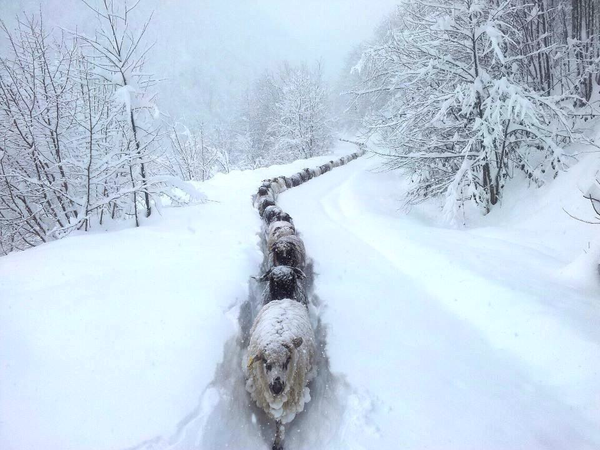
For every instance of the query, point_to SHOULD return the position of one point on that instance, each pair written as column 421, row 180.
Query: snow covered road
column 435, row 338
column 453, row 339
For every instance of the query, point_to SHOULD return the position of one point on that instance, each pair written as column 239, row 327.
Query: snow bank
column 469, row 338
column 108, row 339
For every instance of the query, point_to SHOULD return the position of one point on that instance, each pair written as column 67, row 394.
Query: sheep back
column 278, row 323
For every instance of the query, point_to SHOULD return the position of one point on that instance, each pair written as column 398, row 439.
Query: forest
column 300, row 224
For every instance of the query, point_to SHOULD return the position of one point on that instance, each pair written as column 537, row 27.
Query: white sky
column 212, row 48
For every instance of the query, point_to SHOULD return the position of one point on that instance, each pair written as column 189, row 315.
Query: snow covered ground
column 435, row 337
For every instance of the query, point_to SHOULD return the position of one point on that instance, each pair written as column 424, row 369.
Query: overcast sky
column 212, row 48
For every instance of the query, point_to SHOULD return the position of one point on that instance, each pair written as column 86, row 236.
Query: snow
column 108, row 339
column 486, row 337
column 460, row 338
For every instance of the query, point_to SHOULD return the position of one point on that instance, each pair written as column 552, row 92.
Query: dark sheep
column 272, row 214
column 263, row 191
column 288, row 182
column 263, row 203
column 285, row 282
column 288, row 251
column 325, row 168
column 296, row 180
column 304, row 175
column 285, row 217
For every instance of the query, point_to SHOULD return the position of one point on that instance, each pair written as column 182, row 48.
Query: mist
column 207, row 52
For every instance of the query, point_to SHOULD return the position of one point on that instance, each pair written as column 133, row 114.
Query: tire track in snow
column 435, row 379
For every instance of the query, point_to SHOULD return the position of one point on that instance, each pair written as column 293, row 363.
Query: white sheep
column 278, row 230
column 280, row 361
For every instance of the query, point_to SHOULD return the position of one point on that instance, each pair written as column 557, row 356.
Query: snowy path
column 450, row 339
column 435, row 338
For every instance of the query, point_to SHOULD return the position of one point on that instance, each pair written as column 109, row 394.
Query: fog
column 209, row 51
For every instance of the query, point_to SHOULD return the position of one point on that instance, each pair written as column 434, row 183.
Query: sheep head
column 277, row 364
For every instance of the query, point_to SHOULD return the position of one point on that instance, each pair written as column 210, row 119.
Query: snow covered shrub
column 78, row 130
column 286, row 116
column 457, row 106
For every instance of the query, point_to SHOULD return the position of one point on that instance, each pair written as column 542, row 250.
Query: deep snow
column 435, row 337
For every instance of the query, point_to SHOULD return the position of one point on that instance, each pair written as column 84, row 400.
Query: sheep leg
column 279, row 435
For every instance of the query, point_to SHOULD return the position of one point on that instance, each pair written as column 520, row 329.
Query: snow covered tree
column 37, row 101
column 77, row 129
column 118, row 53
column 302, row 126
column 193, row 157
column 286, row 116
column 457, row 111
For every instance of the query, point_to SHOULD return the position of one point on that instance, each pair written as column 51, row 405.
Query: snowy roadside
column 108, row 339
column 436, row 337
column 456, row 338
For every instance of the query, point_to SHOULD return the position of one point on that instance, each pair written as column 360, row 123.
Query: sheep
column 285, row 217
column 278, row 230
column 263, row 191
column 308, row 174
column 288, row 182
column 263, row 203
column 288, row 251
column 284, row 282
column 325, row 168
column 316, row 172
column 278, row 185
column 296, row 180
column 272, row 214
column 303, row 176
column 281, row 362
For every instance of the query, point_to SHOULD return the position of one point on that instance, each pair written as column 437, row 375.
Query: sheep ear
column 254, row 359
column 299, row 273
column 297, row 342
column 265, row 277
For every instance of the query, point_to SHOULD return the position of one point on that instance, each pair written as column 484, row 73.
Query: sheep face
column 278, row 361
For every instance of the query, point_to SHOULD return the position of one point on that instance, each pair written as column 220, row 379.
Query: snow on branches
column 78, row 128
column 457, row 104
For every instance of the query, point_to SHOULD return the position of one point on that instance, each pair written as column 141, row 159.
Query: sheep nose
column 277, row 386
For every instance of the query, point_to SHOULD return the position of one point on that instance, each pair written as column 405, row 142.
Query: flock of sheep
column 281, row 352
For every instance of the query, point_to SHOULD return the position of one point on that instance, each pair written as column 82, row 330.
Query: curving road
column 449, row 339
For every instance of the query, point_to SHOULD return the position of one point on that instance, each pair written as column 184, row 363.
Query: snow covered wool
column 263, row 203
column 272, row 214
column 288, row 251
column 285, row 217
column 296, row 180
column 281, row 359
column 278, row 230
